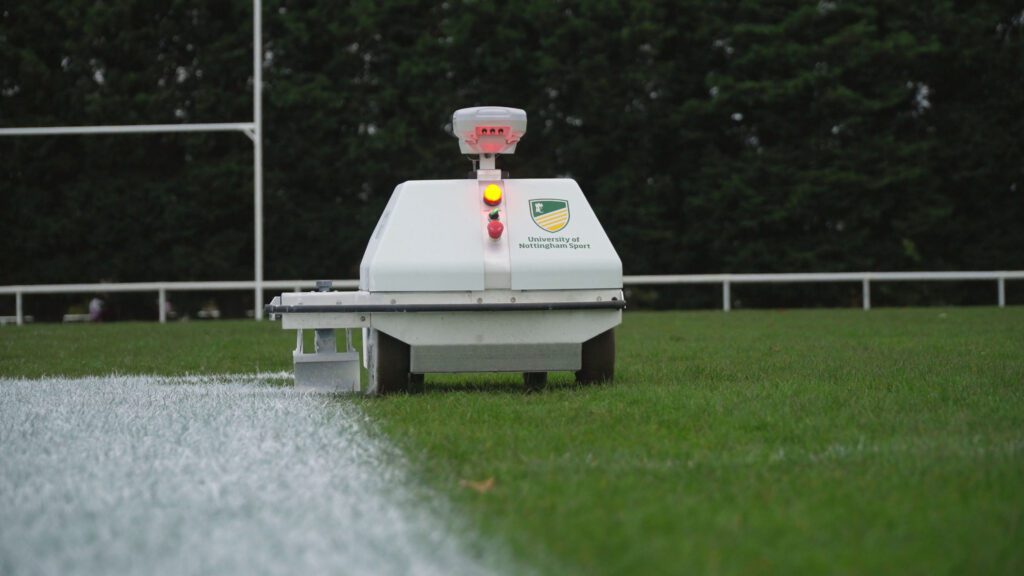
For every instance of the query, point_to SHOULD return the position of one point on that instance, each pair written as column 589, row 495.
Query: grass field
column 783, row 442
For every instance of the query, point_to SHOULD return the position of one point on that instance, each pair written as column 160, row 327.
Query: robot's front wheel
column 598, row 362
column 390, row 366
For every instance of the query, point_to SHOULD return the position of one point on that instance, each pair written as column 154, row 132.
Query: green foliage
column 743, row 136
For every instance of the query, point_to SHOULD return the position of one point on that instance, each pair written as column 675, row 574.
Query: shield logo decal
column 551, row 215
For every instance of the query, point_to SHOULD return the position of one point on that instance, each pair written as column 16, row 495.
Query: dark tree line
column 734, row 136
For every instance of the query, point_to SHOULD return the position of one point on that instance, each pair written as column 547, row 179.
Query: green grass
column 218, row 347
column 784, row 442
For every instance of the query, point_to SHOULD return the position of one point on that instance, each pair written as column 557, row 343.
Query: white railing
column 726, row 280
column 865, row 278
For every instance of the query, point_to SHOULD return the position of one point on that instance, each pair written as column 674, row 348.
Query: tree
column 742, row 136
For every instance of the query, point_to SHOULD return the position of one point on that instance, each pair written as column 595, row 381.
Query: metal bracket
column 326, row 369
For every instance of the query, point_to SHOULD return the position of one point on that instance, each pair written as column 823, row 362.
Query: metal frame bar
column 245, row 127
column 257, row 156
column 803, row 277
column 726, row 280
column 254, row 130
column 488, row 307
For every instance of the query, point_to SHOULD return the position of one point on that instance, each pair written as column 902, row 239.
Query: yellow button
column 492, row 194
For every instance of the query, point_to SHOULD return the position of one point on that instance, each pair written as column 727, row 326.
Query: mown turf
column 37, row 350
column 768, row 442
column 781, row 442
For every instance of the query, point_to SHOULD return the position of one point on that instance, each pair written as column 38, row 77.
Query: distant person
column 96, row 309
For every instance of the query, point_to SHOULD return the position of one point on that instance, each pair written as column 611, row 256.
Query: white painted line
column 210, row 475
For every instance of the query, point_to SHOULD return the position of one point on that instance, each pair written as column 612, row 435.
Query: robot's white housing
column 520, row 280
column 489, row 129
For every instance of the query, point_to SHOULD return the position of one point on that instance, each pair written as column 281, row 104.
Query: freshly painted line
column 210, row 475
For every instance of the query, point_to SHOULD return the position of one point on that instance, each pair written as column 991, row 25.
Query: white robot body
column 485, row 274
column 433, row 237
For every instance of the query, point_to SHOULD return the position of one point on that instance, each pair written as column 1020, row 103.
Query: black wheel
column 417, row 383
column 535, row 381
column 390, row 364
column 598, row 362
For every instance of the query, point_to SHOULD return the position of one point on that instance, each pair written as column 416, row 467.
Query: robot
column 482, row 274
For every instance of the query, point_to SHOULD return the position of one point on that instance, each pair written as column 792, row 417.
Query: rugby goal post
column 253, row 129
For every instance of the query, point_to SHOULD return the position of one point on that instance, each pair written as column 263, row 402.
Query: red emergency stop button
column 495, row 229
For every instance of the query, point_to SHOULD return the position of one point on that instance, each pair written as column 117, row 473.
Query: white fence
column 726, row 281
